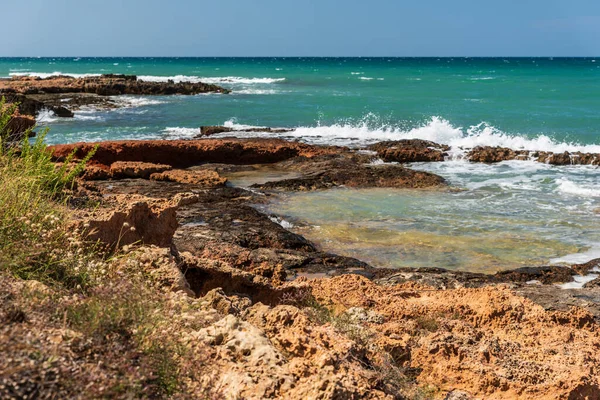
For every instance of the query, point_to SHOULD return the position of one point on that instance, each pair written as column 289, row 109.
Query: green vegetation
column 34, row 240
column 74, row 321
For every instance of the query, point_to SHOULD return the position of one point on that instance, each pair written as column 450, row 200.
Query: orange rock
column 134, row 219
column 132, row 169
column 197, row 177
column 410, row 150
column 487, row 341
column 187, row 153
column 107, row 85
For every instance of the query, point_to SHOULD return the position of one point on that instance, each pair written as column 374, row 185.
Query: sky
column 245, row 28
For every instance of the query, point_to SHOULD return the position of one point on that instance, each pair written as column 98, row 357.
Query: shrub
column 34, row 239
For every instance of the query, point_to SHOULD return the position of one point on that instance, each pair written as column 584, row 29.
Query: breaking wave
column 569, row 187
column 50, row 74
column 135, row 101
column 212, row 80
column 176, row 78
column 180, row 133
column 436, row 129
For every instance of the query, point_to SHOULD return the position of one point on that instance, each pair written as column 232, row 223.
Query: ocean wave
column 258, row 91
column 51, row 74
column 211, row 80
column 365, row 78
column 569, row 187
column 135, row 101
column 153, row 78
column 436, row 129
column 180, row 133
column 84, row 117
column 46, row 117
column 233, row 124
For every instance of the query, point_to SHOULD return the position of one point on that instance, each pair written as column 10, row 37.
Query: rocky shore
column 283, row 319
column 64, row 95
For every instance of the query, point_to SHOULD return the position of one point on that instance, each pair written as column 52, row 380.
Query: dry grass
column 74, row 323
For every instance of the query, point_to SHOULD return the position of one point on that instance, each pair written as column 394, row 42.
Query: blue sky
column 301, row 28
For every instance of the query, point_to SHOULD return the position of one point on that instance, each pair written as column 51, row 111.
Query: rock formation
column 410, row 150
column 187, row 153
column 64, row 94
column 206, row 131
column 488, row 154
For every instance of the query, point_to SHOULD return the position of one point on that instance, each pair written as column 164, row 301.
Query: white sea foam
column 180, row 133
column 284, row 224
column 50, row 74
column 365, row 78
column 211, row 79
column 83, row 117
column 436, row 129
column 45, row 117
column 577, row 258
column 580, row 280
column 258, row 91
column 135, row 101
column 233, row 124
column 154, row 78
column 569, row 187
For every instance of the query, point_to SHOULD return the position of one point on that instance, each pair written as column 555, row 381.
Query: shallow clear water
column 506, row 216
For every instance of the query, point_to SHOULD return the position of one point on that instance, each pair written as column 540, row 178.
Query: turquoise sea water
column 509, row 214
column 559, row 98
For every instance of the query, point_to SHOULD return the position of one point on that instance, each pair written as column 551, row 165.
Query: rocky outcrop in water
column 343, row 173
column 187, row 153
column 206, row 131
column 64, row 94
column 320, row 167
column 104, row 85
column 488, row 154
column 410, row 150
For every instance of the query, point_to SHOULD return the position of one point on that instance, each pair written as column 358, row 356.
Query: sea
column 500, row 216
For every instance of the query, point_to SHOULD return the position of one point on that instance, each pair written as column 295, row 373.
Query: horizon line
column 297, row 57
